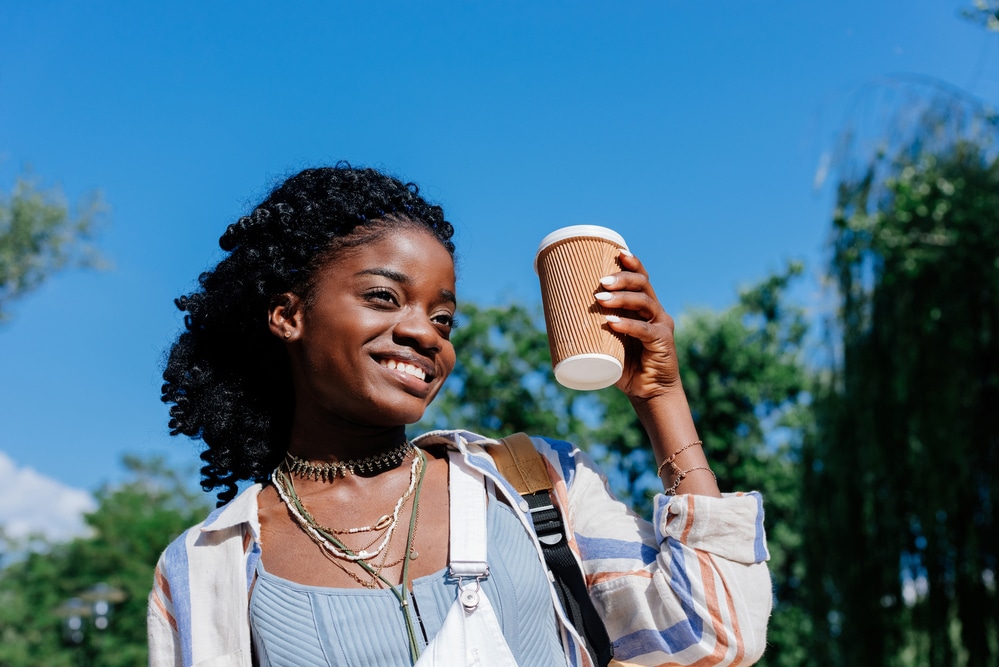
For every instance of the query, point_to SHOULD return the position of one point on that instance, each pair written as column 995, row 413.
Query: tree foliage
column 900, row 480
column 502, row 382
column 745, row 378
column 131, row 526
column 40, row 235
column 984, row 13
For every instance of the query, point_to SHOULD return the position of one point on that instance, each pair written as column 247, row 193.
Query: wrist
column 667, row 401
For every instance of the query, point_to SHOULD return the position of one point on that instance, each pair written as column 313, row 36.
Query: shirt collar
column 243, row 509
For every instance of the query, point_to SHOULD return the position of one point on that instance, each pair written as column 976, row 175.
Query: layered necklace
column 328, row 539
column 321, row 534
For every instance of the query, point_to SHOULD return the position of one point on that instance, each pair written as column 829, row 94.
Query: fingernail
column 627, row 253
column 604, row 296
column 613, row 318
column 608, row 280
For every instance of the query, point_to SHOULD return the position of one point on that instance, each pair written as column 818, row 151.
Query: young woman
column 307, row 351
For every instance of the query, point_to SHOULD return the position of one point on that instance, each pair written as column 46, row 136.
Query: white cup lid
column 588, row 371
column 594, row 231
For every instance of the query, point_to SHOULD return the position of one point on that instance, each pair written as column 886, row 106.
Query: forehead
column 410, row 250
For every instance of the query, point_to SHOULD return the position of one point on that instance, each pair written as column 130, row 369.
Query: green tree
column 131, row 526
column 900, row 480
column 744, row 375
column 985, row 13
column 39, row 235
column 502, row 382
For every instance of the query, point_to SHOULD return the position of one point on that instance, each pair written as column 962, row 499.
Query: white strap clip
column 469, row 593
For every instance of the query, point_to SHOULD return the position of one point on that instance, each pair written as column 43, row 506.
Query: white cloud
column 33, row 503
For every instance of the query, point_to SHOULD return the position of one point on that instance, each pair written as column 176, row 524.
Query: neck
column 327, row 440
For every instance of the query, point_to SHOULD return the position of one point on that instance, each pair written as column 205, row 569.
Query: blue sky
column 694, row 129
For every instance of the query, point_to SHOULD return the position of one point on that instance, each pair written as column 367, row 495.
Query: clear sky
column 694, row 129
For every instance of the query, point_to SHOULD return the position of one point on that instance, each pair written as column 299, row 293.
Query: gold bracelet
column 669, row 460
column 671, row 491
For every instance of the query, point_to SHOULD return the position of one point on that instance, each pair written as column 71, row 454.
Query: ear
column 284, row 316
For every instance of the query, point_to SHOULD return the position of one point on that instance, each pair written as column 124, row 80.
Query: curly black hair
column 227, row 375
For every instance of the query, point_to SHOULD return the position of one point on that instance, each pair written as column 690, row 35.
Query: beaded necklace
column 373, row 580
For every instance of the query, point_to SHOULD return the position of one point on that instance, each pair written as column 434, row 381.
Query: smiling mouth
column 407, row 368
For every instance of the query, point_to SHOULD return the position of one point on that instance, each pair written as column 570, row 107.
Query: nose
column 415, row 328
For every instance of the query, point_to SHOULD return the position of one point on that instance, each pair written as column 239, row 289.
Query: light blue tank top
column 305, row 626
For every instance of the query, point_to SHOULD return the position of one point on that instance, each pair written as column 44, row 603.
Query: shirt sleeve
column 690, row 588
column 161, row 624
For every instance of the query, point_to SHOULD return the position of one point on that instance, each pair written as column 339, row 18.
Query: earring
column 287, row 334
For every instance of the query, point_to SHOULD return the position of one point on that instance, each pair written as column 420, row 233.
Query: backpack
column 524, row 467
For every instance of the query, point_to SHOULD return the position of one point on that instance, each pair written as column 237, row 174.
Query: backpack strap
column 519, row 461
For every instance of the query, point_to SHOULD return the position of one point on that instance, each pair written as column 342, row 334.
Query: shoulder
column 234, row 519
column 565, row 460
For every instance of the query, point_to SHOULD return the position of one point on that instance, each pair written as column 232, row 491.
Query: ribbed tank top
column 295, row 625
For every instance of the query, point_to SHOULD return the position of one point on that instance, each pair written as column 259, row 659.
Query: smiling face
column 371, row 347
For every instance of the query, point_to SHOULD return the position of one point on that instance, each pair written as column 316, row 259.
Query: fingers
column 650, row 358
column 643, row 305
column 626, row 280
column 634, row 277
column 651, row 335
column 630, row 290
column 631, row 263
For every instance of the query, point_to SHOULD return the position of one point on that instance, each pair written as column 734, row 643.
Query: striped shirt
column 691, row 588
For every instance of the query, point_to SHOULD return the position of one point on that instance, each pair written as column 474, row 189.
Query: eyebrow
column 403, row 279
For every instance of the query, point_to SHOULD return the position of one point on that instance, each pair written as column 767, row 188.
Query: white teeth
column 414, row 371
column 409, row 369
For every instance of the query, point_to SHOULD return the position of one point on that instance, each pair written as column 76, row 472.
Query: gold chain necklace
column 376, row 574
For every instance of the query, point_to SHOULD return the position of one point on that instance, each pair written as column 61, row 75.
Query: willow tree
column 901, row 481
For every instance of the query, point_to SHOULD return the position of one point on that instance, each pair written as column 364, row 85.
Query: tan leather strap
column 521, row 464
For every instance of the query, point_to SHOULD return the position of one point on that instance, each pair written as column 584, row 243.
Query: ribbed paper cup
column 570, row 262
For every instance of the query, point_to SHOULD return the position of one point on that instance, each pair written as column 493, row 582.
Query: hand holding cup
column 650, row 365
column 598, row 303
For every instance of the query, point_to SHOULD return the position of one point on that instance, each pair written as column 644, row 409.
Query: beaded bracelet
column 669, row 461
column 680, row 476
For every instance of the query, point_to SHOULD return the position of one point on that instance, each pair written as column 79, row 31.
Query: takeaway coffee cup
column 570, row 262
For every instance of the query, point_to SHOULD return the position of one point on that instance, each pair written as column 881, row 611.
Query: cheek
column 447, row 360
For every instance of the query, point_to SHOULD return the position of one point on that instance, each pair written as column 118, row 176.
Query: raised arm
column 651, row 380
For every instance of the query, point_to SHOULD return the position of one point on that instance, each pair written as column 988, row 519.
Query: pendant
column 383, row 522
column 414, row 554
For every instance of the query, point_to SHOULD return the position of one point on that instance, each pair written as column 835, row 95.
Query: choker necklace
column 327, row 472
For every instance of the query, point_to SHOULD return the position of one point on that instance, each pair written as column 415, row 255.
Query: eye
column 381, row 295
column 446, row 320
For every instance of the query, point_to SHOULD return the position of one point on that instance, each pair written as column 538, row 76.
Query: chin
column 393, row 415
